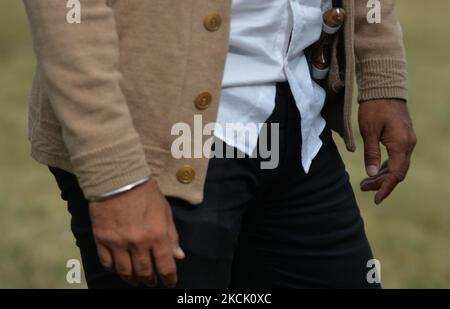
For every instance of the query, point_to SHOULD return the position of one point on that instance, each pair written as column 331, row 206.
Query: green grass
column 409, row 233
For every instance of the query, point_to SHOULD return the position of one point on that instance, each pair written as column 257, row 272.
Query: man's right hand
column 132, row 231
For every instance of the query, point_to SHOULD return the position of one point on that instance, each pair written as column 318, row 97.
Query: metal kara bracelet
column 120, row 190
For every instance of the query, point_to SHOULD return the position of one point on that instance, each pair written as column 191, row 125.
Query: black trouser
column 278, row 228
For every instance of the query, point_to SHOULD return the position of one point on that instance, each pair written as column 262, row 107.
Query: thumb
column 372, row 154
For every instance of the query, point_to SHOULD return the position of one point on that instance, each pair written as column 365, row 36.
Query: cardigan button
column 186, row 174
column 212, row 22
column 203, row 100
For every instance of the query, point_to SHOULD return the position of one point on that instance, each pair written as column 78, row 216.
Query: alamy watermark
column 199, row 141
column 73, row 275
column 74, row 13
column 374, row 273
column 374, row 13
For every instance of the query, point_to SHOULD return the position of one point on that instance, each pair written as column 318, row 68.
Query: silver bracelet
column 120, row 190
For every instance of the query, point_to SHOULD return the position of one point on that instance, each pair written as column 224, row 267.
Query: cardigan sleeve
column 79, row 71
column 381, row 67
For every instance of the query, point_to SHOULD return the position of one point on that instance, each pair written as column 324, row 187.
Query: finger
column 173, row 236
column 398, row 164
column 386, row 188
column 380, row 173
column 372, row 154
column 165, row 264
column 372, row 184
column 143, row 268
column 123, row 266
column 105, row 257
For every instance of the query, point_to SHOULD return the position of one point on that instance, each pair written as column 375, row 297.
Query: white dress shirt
column 259, row 56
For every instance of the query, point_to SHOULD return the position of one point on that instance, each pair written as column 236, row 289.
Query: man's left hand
column 387, row 122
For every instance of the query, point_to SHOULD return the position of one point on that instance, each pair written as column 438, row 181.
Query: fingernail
column 377, row 200
column 371, row 170
column 180, row 253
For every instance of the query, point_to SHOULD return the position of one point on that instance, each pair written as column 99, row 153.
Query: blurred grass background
column 409, row 233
